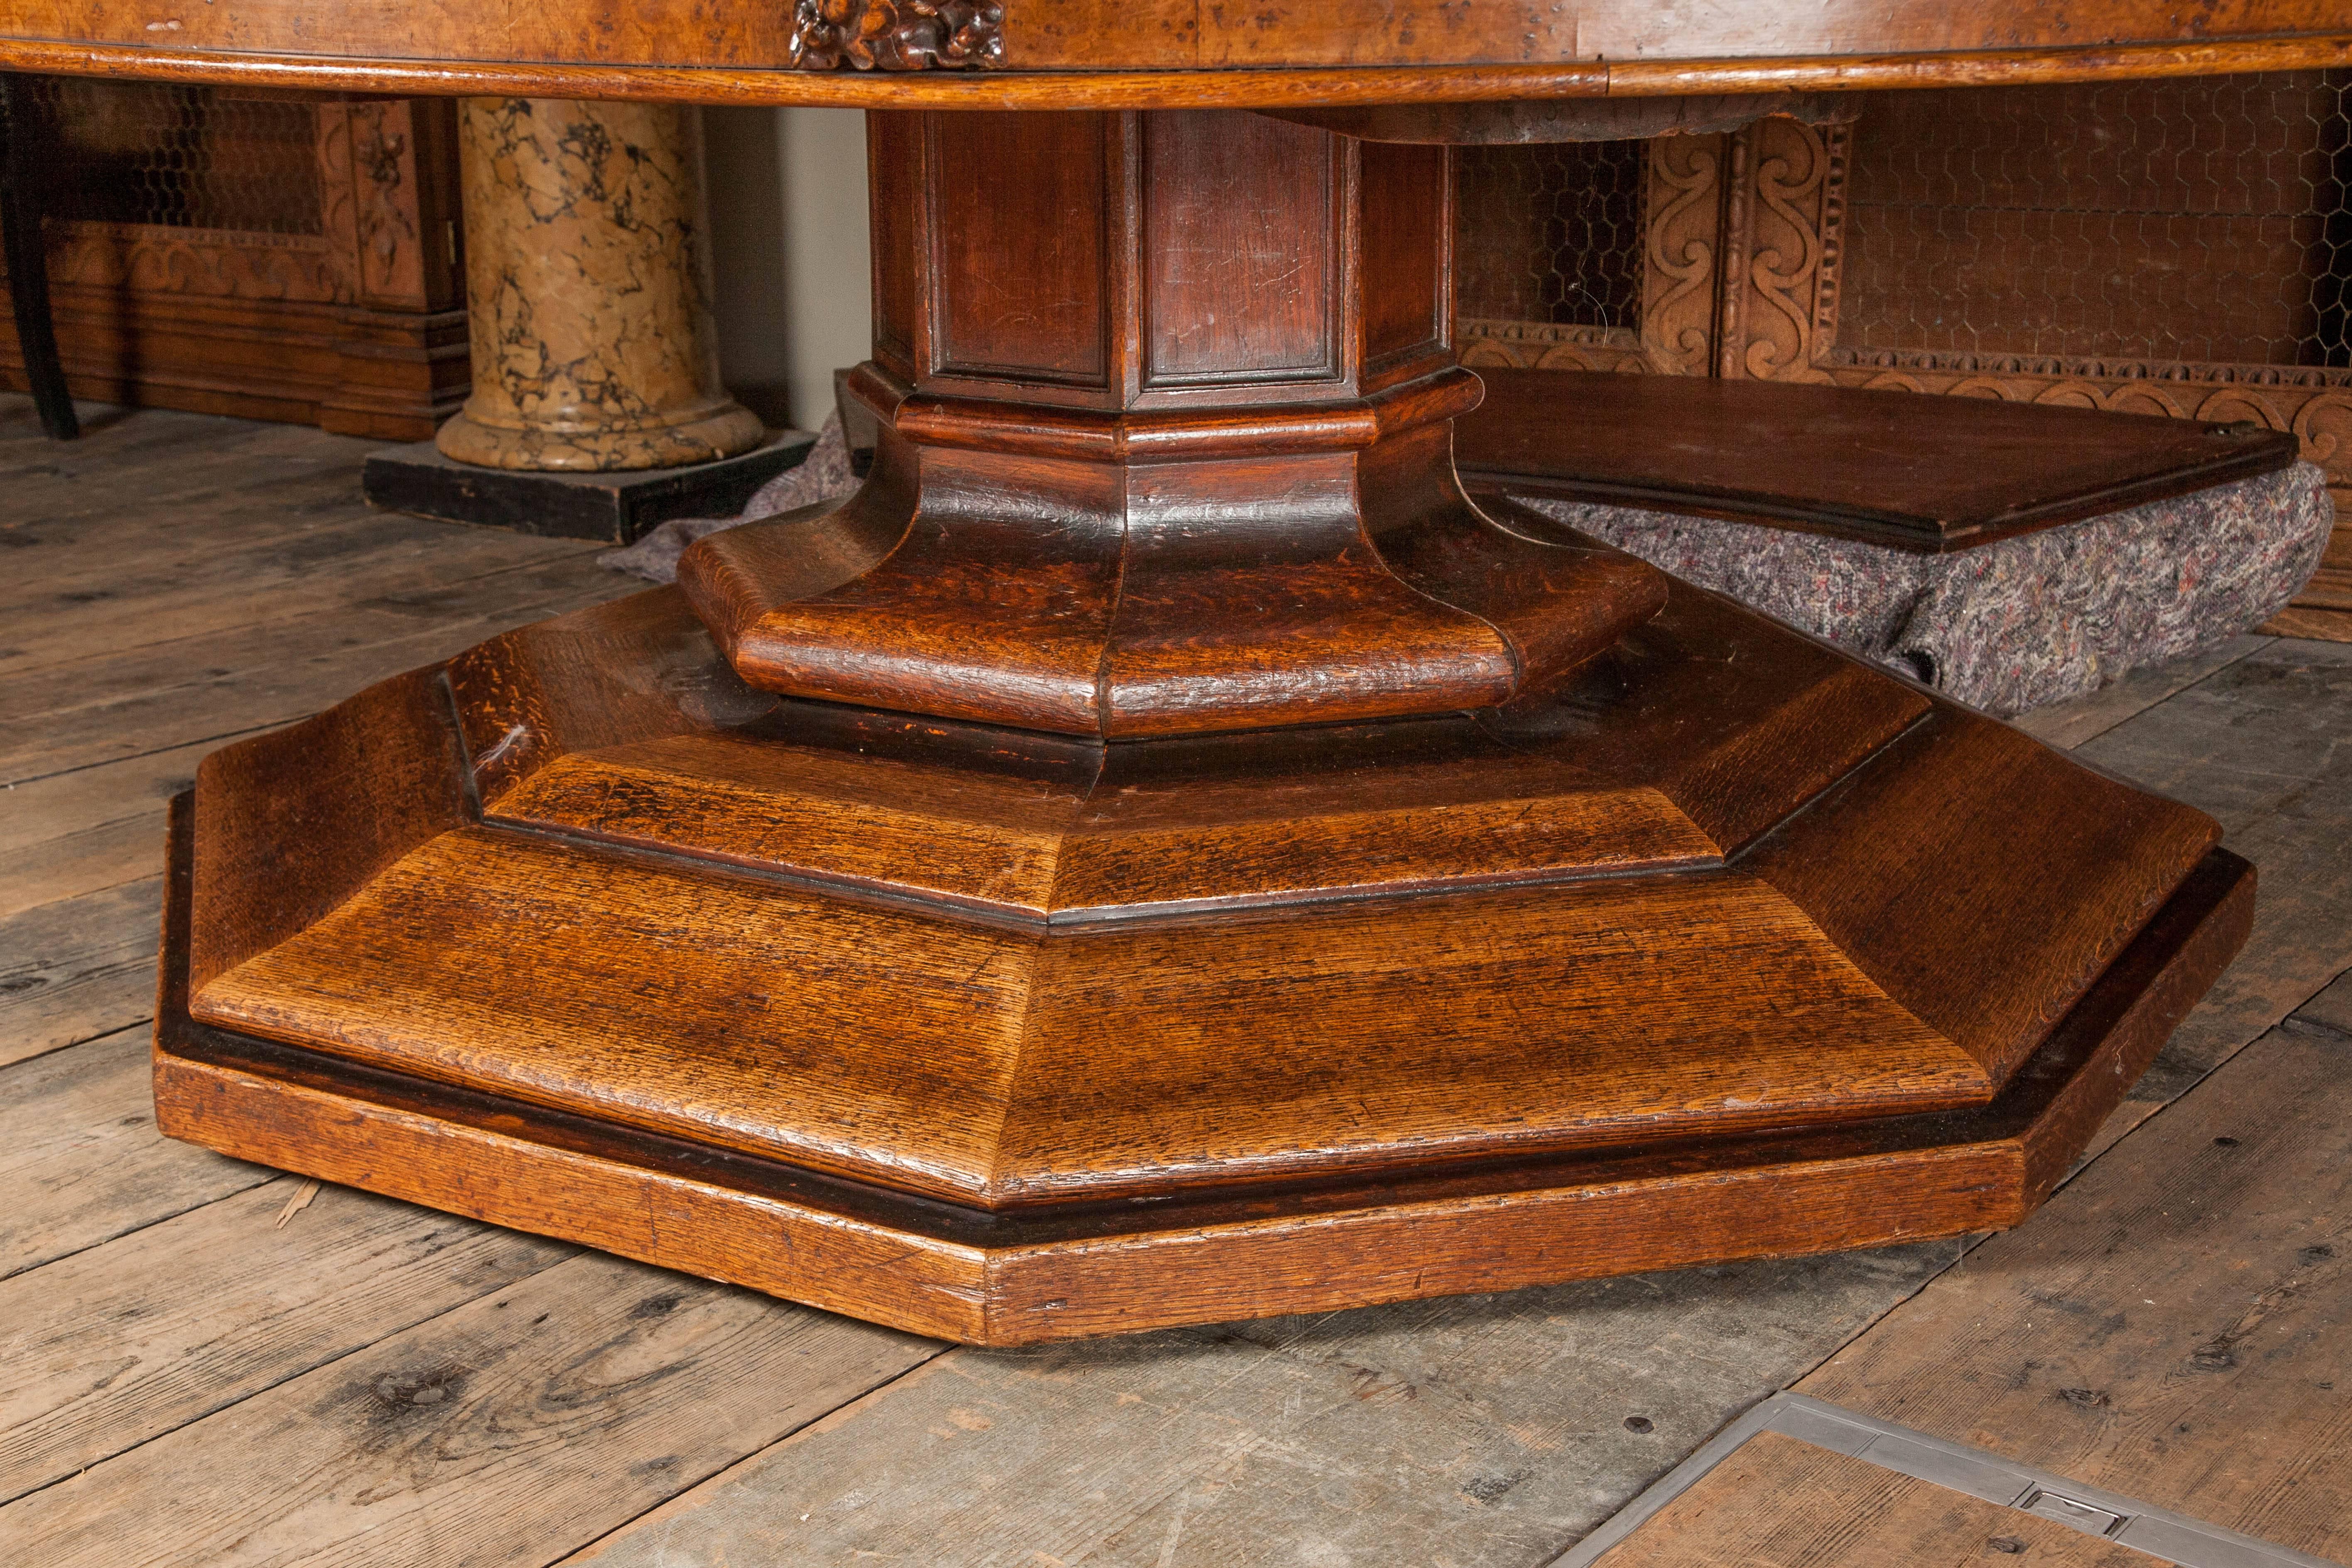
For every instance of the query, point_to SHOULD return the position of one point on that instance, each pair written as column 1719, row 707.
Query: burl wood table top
column 1130, row 54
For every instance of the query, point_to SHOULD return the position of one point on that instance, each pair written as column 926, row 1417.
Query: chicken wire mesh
column 175, row 156
column 2187, row 221
column 2198, row 221
column 1551, row 234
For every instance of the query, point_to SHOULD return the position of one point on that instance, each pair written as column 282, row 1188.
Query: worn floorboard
column 2176, row 1325
column 504, row 1431
column 78, row 969
column 103, row 1350
column 2262, row 744
column 1481, row 1430
column 2068, row 725
column 80, row 1160
column 373, row 1383
column 91, row 829
column 1782, row 1503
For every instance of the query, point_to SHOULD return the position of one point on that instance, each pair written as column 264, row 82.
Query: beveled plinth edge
column 936, row 1268
column 617, row 505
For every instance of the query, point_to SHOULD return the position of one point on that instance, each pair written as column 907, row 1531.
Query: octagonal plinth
column 1737, row 947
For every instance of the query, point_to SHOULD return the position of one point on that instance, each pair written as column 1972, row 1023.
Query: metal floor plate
column 2126, row 1521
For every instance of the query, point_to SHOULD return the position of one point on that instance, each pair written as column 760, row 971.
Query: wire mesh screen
column 1551, row 234
column 2180, row 221
column 180, row 157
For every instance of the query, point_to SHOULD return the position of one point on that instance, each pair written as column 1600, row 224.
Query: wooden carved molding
column 220, row 264
column 384, row 159
column 1542, row 345
column 1681, row 250
column 897, row 34
column 1782, row 225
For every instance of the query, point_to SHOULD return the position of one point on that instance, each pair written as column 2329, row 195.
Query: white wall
column 788, row 257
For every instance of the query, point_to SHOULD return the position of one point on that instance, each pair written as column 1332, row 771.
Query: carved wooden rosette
column 1167, row 402
column 897, row 34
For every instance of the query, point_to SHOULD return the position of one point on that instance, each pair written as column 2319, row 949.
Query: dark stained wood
column 1923, row 474
column 1166, row 456
column 349, row 316
column 954, row 1271
column 1474, row 1427
column 1164, row 531
column 1569, row 119
column 1161, row 849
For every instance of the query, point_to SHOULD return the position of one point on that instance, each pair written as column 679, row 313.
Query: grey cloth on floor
column 821, row 476
column 2004, row 627
column 2022, row 622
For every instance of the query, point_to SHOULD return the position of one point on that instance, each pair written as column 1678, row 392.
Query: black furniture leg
column 28, row 275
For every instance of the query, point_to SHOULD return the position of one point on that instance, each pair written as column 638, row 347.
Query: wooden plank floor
column 197, row 1367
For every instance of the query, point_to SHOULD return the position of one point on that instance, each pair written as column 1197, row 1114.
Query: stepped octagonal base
column 1737, row 947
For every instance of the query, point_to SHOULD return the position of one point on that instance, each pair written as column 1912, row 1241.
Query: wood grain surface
column 1932, row 475
column 82, row 1160
column 1172, row 53
column 1472, row 1429
column 1184, row 469
column 180, row 580
column 2155, row 1320
column 1780, row 1502
column 2250, row 744
column 599, row 1386
column 1480, row 1430
column 114, row 1346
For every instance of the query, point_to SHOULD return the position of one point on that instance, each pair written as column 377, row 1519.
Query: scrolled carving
column 1685, row 193
column 1786, row 247
column 897, row 34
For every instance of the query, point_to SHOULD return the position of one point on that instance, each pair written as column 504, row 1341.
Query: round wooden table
column 1161, row 851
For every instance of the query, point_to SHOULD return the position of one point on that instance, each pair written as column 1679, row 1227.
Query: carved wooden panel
column 268, row 257
column 2209, row 219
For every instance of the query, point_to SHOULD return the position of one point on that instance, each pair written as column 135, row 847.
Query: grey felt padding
column 2021, row 622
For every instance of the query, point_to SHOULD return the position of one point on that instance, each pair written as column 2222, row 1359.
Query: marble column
column 588, row 288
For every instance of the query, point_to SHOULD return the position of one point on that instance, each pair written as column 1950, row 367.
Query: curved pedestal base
column 722, row 430
column 1732, row 947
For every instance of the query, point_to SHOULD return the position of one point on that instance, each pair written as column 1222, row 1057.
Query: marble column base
column 723, row 431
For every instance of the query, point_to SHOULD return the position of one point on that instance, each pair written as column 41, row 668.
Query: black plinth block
column 616, row 507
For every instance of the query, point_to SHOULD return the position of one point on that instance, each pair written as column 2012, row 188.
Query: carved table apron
column 1162, row 852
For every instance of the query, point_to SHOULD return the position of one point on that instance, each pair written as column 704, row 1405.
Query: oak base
column 960, row 1274
column 1731, row 947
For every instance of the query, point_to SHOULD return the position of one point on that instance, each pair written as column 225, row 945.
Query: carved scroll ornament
column 897, row 34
